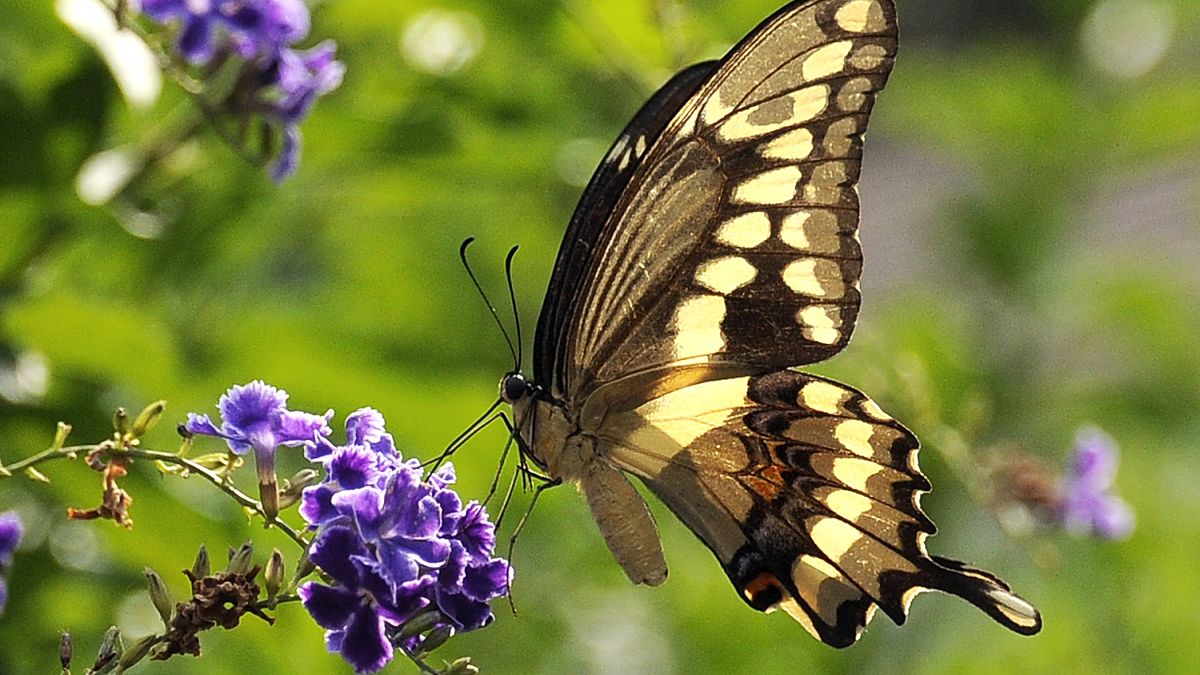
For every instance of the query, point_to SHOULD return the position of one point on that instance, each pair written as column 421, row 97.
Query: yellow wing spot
column 847, row 504
column 814, row 231
column 747, row 230
column 774, row 114
column 855, row 473
column 688, row 413
column 640, row 146
column 822, row 587
column 860, row 15
column 827, row 60
column 796, row 144
column 872, row 408
column 725, row 275
column 851, row 97
column 834, row 537
column 867, row 57
column 818, row 323
column 818, row 278
column 698, row 326
column 823, row 397
column 855, row 435
column 777, row 186
column 715, row 108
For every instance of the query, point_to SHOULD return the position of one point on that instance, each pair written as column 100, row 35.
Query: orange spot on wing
column 763, row 582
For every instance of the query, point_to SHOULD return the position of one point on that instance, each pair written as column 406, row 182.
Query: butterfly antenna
column 462, row 254
column 512, row 297
column 475, row 427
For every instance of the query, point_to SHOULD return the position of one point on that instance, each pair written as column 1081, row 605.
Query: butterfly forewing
column 734, row 246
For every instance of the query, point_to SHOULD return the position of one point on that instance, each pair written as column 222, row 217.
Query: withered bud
column 239, row 560
column 148, row 418
column 160, row 596
column 273, row 575
column 121, row 421
column 461, row 666
column 60, row 435
column 182, row 431
column 136, row 652
column 110, row 650
column 202, row 567
column 66, row 650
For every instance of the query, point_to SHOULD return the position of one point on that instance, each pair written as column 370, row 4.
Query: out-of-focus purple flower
column 1087, row 503
column 300, row 77
column 410, row 537
column 11, row 531
column 285, row 81
column 251, row 27
column 255, row 416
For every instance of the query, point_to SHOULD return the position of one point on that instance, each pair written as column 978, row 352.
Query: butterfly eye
column 513, row 387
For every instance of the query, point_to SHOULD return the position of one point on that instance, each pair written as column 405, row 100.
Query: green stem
column 167, row 458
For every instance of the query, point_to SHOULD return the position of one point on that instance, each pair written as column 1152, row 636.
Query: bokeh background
column 1031, row 226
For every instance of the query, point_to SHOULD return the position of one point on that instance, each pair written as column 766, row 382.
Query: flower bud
column 421, row 623
column 34, row 474
column 201, row 568
column 148, row 418
column 461, row 666
column 66, row 650
column 437, row 637
column 136, row 652
column 292, row 488
column 60, row 435
column 239, row 560
column 159, row 596
column 110, row 650
column 273, row 575
column 121, row 421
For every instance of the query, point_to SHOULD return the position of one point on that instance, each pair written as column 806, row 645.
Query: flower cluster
column 1087, row 505
column 396, row 545
column 255, row 417
column 284, row 81
column 11, row 530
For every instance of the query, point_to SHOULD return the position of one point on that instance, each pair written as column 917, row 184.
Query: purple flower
column 11, row 531
column 356, row 609
column 255, row 416
column 300, row 77
column 251, row 27
column 1088, row 505
column 397, row 536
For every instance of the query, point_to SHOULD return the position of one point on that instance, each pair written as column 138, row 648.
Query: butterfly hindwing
column 735, row 238
column 806, row 492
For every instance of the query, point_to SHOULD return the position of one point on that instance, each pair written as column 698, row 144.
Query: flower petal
column 363, row 644
column 296, row 428
column 332, row 552
column 11, row 531
column 364, row 426
column 463, row 612
column 330, row 607
column 316, row 505
column 487, row 581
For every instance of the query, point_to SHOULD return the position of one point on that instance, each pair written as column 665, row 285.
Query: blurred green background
column 1031, row 226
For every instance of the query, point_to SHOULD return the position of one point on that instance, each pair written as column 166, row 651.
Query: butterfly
column 715, row 250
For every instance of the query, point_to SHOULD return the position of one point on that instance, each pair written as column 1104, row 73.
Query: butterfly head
column 514, row 387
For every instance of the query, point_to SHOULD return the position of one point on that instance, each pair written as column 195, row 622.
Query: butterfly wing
column 732, row 247
column 807, row 493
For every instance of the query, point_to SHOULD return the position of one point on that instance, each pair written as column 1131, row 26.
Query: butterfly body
column 715, row 250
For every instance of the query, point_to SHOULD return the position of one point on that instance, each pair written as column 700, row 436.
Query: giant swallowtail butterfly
column 715, row 249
